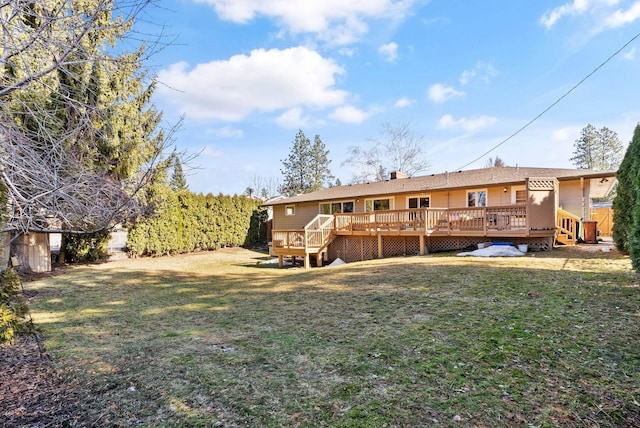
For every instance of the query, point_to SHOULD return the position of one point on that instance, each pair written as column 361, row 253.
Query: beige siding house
column 438, row 212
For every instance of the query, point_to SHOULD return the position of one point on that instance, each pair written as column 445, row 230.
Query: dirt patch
column 32, row 392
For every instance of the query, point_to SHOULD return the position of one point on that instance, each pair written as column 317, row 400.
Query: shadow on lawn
column 146, row 344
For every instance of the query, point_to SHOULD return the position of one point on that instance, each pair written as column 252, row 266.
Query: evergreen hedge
column 184, row 222
column 625, row 204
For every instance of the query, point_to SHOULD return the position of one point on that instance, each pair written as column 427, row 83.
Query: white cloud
column 404, row 102
column 349, row 114
column 630, row 54
column 577, row 7
column 265, row 80
column 335, row 21
column 440, row 93
column 466, row 76
column 474, row 123
column 621, row 17
column 599, row 12
column 348, row 52
column 482, row 70
column 292, row 119
column 389, row 51
column 227, row 132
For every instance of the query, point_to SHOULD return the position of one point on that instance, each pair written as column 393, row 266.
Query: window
column 477, row 198
column 290, row 210
column 520, row 196
column 336, row 207
column 418, row 202
column 347, row 207
column 378, row 204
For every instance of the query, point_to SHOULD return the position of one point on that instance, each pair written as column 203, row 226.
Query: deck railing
column 475, row 221
column 567, row 227
column 318, row 230
column 288, row 238
column 478, row 220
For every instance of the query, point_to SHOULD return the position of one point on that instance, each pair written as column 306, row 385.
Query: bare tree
column 400, row 150
column 264, row 186
column 56, row 164
column 497, row 162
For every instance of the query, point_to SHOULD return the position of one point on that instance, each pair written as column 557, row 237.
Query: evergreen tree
column 79, row 134
column 307, row 167
column 626, row 205
column 320, row 173
column 597, row 149
column 178, row 180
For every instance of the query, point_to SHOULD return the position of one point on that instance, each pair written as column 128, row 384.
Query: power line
column 552, row 105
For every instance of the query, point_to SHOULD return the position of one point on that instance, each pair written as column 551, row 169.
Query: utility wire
column 552, row 105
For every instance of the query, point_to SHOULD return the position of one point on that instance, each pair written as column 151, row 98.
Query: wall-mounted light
column 505, row 190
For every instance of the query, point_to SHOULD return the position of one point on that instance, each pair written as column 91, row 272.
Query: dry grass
column 215, row 339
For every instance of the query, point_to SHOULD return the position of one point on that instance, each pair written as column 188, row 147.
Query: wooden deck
column 483, row 221
column 501, row 222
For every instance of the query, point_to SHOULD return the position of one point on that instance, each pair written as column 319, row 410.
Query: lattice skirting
column 353, row 249
column 358, row 248
column 450, row 243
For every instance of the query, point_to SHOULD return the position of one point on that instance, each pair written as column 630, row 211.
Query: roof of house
column 494, row 176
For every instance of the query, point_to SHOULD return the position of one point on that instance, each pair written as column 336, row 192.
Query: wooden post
column 422, row 245
column 307, row 261
column 380, row 252
column 280, row 260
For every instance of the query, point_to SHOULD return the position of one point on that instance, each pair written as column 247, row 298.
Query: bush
column 13, row 307
column 85, row 248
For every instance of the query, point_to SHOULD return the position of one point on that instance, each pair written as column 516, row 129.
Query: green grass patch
column 216, row 339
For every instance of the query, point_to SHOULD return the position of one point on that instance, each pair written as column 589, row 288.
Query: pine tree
column 178, row 180
column 626, row 204
column 597, row 149
column 321, row 175
column 307, row 167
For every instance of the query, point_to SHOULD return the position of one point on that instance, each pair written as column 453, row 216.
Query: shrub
column 13, row 307
column 85, row 248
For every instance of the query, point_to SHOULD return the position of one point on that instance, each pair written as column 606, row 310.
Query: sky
column 246, row 75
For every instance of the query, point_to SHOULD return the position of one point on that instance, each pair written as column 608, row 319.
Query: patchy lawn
column 217, row 339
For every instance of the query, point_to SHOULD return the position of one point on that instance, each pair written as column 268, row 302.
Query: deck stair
column 318, row 234
column 567, row 228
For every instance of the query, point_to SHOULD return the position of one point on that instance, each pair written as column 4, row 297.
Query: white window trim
column 286, row 210
column 392, row 202
column 418, row 196
column 476, row 191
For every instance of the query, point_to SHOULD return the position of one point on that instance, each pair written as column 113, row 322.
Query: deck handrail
column 318, row 231
column 567, row 224
column 474, row 221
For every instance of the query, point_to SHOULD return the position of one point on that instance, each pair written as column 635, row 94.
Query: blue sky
column 248, row 74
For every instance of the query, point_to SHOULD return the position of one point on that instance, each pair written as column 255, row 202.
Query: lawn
column 221, row 339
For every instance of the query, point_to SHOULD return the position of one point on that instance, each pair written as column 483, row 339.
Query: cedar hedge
column 184, row 222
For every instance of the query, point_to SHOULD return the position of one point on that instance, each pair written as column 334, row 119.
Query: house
column 438, row 212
